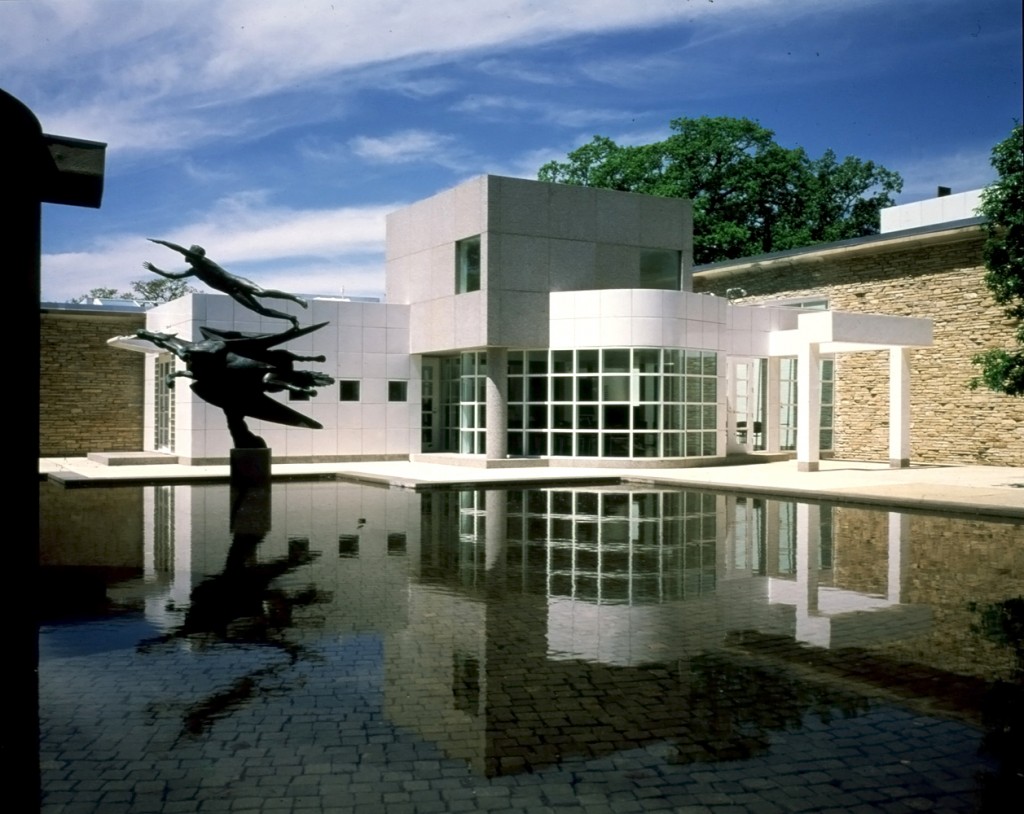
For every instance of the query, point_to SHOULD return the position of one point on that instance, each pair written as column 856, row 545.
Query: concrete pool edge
column 990, row 491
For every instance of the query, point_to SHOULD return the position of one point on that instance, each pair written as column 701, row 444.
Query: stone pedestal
column 250, row 491
column 250, row 467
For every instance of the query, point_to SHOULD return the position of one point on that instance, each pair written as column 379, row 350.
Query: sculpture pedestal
column 250, row 467
column 250, row 491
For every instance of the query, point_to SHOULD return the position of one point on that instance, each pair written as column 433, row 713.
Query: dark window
column 348, row 390
column 467, row 265
column 660, row 268
column 396, row 544
column 348, row 545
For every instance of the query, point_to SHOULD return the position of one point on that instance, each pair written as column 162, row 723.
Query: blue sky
column 279, row 134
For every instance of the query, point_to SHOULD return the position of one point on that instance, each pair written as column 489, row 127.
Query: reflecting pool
column 338, row 647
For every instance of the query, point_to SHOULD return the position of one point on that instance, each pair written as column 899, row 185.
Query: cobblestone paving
column 231, row 727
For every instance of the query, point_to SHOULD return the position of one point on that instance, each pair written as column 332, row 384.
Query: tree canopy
column 1002, row 204
column 156, row 290
column 750, row 195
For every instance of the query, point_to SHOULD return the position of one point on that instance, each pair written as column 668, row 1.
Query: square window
column 348, row 545
column 538, row 388
column 660, row 268
column 561, row 443
column 616, row 360
column 561, row 361
column 396, row 544
column 467, row 265
column 586, row 361
column 561, row 387
column 348, row 390
column 398, row 391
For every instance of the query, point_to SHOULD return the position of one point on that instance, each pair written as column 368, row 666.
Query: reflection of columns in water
column 167, row 546
column 495, row 526
column 899, row 538
column 496, row 434
column 808, row 545
column 772, row 532
column 727, row 538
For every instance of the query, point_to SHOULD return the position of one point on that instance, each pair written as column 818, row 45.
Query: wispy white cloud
column 157, row 76
column 522, row 72
column 299, row 246
column 403, row 147
column 960, row 171
column 497, row 107
column 418, row 87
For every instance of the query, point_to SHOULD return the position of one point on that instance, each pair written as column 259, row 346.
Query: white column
column 899, row 408
column 808, row 550
column 810, row 626
column 496, row 504
column 496, row 434
column 899, row 540
column 808, row 408
column 772, row 406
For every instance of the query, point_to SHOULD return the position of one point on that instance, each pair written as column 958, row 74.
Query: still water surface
column 338, row 647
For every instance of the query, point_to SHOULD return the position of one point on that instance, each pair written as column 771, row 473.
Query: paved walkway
column 987, row 490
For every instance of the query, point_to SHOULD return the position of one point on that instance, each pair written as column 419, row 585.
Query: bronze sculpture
column 233, row 370
column 238, row 288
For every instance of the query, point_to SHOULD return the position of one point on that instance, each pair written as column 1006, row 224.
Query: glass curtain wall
column 613, row 548
column 613, row 402
column 472, row 402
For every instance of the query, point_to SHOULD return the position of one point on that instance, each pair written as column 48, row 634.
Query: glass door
column 747, row 402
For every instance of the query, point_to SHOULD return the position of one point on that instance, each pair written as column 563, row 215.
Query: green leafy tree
column 750, row 195
column 98, row 294
column 158, row 290
column 1002, row 204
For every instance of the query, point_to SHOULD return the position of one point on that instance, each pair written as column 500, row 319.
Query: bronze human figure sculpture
column 239, row 288
column 235, row 371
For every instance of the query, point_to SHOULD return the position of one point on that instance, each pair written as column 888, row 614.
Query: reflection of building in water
column 518, row 626
column 533, row 595
column 617, row 569
column 361, row 541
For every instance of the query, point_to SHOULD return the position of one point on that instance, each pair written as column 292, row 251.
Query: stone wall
column 90, row 395
column 936, row 275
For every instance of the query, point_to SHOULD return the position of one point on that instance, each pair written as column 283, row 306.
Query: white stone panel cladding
column 363, row 342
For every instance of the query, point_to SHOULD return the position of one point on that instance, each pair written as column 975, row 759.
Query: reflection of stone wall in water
column 949, row 563
column 864, row 566
column 75, row 527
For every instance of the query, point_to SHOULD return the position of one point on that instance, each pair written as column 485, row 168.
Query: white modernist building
column 528, row 323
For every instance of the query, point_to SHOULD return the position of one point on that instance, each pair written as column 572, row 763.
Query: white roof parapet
column 843, row 332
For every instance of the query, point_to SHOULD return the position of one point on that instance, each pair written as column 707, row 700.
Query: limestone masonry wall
column 90, row 395
column 941, row 280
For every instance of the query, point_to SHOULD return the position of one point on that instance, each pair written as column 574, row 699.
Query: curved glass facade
column 613, row 403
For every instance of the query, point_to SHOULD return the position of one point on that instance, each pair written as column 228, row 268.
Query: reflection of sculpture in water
column 239, row 288
column 242, row 605
column 235, row 371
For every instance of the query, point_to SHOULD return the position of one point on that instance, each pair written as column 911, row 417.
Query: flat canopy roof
column 843, row 332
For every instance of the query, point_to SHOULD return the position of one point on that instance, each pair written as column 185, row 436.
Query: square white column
column 808, row 408
column 772, row 410
column 899, row 407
